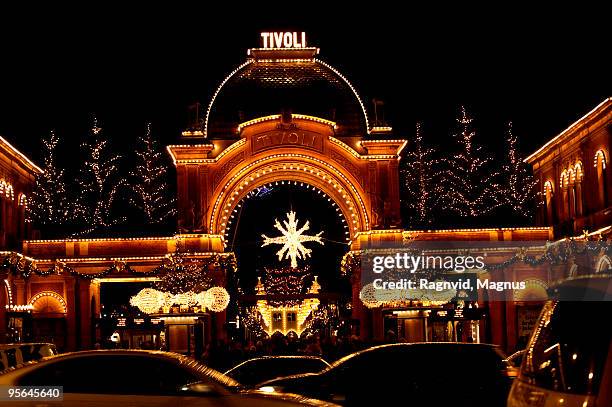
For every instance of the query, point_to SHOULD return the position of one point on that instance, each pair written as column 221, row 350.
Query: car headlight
column 270, row 389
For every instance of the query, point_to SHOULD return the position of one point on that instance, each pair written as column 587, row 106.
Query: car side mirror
column 198, row 389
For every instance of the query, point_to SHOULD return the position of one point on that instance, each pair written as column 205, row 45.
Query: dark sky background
column 540, row 69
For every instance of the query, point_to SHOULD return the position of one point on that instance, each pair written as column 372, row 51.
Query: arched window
column 603, row 264
column 549, row 192
column 22, row 200
column 600, row 166
column 579, row 175
column 564, row 185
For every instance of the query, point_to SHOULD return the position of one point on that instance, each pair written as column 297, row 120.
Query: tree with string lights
column 150, row 181
column 520, row 192
column 470, row 182
column 421, row 175
column 99, row 182
column 49, row 204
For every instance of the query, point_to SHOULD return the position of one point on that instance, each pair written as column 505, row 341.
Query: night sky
column 540, row 69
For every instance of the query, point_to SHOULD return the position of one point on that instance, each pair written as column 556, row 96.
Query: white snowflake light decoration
column 292, row 239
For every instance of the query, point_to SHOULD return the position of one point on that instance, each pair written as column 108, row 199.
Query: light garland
column 273, row 117
column 20, row 156
column 574, row 126
column 9, row 292
column 255, row 192
column 320, row 170
column 19, row 308
column 218, row 90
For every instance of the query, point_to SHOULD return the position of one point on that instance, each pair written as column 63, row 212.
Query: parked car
column 568, row 361
column 419, row 374
column 257, row 370
column 13, row 354
column 516, row 358
column 137, row 378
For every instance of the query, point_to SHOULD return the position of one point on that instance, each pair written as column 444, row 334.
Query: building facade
column 284, row 115
column 573, row 175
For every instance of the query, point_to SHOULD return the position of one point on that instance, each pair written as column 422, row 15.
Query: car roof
column 594, row 287
column 415, row 345
column 180, row 359
column 260, row 358
column 15, row 345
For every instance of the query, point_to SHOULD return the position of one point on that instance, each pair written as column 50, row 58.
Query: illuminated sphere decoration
column 367, row 295
column 148, row 300
column 218, row 298
column 203, row 299
column 186, row 299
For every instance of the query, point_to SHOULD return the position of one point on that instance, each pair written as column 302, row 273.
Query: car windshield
column 569, row 347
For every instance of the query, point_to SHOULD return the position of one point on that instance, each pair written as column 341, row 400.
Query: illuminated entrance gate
column 286, row 116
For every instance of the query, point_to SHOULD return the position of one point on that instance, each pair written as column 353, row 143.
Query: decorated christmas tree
column 49, row 204
column 421, row 175
column 150, row 187
column 470, row 182
column 99, row 182
column 520, row 187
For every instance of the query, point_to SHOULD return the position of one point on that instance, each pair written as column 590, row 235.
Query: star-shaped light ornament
column 292, row 239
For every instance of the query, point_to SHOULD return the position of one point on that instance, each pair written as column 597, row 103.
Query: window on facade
column 549, row 202
column 564, row 184
column 600, row 166
column 578, row 172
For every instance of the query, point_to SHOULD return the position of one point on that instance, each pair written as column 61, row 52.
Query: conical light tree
column 151, row 190
column 470, row 182
column 99, row 181
column 520, row 186
column 49, row 204
column 421, row 175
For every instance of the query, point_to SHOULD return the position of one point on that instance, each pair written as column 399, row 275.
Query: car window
column 569, row 347
column 112, row 374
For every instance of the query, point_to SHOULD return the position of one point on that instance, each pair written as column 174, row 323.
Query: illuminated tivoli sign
column 283, row 39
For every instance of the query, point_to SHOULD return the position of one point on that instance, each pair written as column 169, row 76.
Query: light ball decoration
column 367, row 295
column 186, row 299
column 218, row 298
column 148, row 300
column 204, row 300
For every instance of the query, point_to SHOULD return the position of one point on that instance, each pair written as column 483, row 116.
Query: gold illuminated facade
column 286, row 115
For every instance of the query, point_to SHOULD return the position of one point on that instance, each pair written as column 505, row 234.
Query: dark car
column 257, row 370
column 568, row 361
column 13, row 354
column 136, row 378
column 420, row 374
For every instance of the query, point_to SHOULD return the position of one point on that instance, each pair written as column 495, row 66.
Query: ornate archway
column 360, row 176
